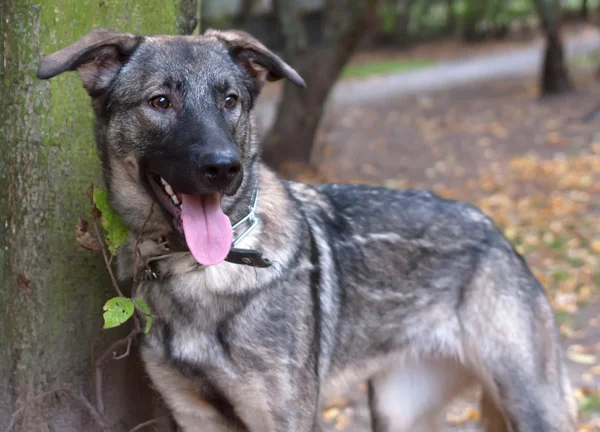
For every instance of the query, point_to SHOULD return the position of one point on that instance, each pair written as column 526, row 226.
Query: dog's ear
column 252, row 56
column 97, row 57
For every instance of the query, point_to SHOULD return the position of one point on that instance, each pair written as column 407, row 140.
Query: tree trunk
column 404, row 8
column 554, row 74
column 242, row 18
column 450, row 17
column 300, row 110
column 585, row 10
column 52, row 292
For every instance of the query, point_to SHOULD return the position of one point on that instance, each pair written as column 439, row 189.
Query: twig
column 29, row 403
column 112, row 349
column 93, row 411
column 106, row 261
column 126, row 353
column 148, row 423
column 81, row 399
column 136, row 250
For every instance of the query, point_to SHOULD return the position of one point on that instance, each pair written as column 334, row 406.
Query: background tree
column 585, row 11
column 51, row 292
column 554, row 77
column 300, row 110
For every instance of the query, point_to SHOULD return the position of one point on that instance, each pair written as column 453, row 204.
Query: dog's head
column 173, row 124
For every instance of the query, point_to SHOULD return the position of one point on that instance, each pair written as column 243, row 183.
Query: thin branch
column 126, row 353
column 93, row 411
column 106, row 261
column 148, row 423
column 112, row 349
column 29, row 403
column 80, row 398
column 137, row 256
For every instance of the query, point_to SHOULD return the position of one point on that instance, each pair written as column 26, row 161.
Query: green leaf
column 117, row 311
column 144, row 307
column 116, row 230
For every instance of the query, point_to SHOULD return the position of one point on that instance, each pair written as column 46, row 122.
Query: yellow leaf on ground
column 469, row 414
column 577, row 354
column 581, row 358
column 330, row 414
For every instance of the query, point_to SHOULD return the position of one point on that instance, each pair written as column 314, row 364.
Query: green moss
column 67, row 130
column 53, row 292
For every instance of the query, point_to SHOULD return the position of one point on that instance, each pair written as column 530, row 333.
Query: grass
column 591, row 404
column 383, row 67
column 562, row 317
column 585, row 60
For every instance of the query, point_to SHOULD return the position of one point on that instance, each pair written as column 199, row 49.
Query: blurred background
column 493, row 102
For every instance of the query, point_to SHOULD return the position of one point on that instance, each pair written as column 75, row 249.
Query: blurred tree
column 240, row 20
column 554, row 77
column 585, row 11
column 52, row 292
column 450, row 16
column 300, row 110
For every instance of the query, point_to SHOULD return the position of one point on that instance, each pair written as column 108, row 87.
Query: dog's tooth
column 163, row 181
column 169, row 189
column 175, row 200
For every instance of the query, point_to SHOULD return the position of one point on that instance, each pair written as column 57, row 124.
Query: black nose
column 220, row 169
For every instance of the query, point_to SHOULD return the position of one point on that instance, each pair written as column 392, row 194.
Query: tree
column 584, row 11
column 51, row 292
column 300, row 110
column 554, row 75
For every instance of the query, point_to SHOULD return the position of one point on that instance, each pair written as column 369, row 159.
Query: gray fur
column 419, row 295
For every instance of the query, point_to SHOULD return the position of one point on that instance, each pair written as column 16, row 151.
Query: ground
column 532, row 165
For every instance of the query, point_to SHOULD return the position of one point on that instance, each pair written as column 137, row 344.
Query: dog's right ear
column 98, row 56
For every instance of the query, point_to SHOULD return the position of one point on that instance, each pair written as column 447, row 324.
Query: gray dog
column 271, row 295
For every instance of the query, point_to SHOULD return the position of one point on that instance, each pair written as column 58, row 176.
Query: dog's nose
column 220, row 169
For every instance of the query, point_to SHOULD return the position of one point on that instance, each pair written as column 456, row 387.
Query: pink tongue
column 207, row 230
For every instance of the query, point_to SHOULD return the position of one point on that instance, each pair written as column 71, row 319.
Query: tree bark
column 585, row 10
column 554, row 77
column 242, row 18
column 404, row 8
column 300, row 110
column 450, row 17
column 52, row 292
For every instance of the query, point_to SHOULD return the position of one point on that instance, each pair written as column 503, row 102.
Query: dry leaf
column 84, row 237
column 469, row 414
column 582, row 358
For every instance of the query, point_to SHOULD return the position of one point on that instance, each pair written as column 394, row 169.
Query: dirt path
column 448, row 74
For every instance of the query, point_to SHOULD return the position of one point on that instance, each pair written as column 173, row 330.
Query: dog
column 269, row 296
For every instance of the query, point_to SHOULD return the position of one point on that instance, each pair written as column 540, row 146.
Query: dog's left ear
column 257, row 60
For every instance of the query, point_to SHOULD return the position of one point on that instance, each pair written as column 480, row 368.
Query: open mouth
column 199, row 217
column 170, row 200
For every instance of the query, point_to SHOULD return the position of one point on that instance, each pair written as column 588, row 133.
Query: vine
column 117, row 310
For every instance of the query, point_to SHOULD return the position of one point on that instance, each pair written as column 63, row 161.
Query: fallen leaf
column 581, row 358
column 469, row 414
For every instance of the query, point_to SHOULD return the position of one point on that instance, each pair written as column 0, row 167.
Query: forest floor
column 532, row 165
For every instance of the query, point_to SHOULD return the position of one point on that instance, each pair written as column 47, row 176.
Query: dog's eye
column 160, row 102
column 230, row 101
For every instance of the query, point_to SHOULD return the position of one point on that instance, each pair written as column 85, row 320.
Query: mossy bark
column 52, row 292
